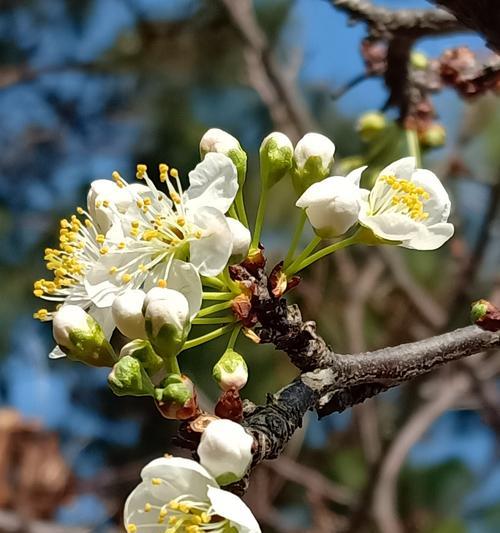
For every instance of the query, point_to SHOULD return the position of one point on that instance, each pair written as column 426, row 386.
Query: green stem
column 240, row 207
column 259, row 219
column 217, row 295
column 213, row 282
column 208, row 337
column 214, row 320
column 211, row 309
column 324, row 251
column 299, row 228
column 302, row 256
column 233, row 337
column 414, row 146
column 171, row 365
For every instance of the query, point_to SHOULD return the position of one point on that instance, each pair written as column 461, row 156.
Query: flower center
column 399, row 196
column 183, row 514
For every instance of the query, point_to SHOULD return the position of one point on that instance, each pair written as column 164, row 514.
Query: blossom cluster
column 153, row 261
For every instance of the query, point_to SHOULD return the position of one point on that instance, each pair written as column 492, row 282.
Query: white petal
column 228, row 505
column 390, row 226
column 241, row 238
column 213, row 182
column 127, row 314
column 184, row 277
column 317, row 192
column 438, row 206
column 211, row 252
column 430, row 237
column 56, row 353
column 402, row 168
column 181, row 476
column 355, row 175
column 100, row 288
column 104, row 318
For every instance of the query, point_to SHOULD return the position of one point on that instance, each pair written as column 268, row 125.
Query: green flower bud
column 219, row 141
column 129, row 377
column 143, row 351
column 81, row 338
column 370, row 125
column 230, row 371
column 479, row 310
column 167, row 321
column 276, row 157
column 434, row 136
column 312, row 161
column 419, row 60
column 176, row 397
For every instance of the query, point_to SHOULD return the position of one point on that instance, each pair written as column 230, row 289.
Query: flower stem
column 240, row 207
column 171, row 365
column 214, row 320
column 233, row 337
column 213, row 282
column 414, row 146
column 321, row 253
column 217, row 295
column 291, row 269
column 299, row 228
column 211, row 309
column 259, row 219
column 208, row 337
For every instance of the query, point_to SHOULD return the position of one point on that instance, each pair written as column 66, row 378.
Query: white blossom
column 225, row 450
column 409, row 206
column 180, row 493
column 332, row 205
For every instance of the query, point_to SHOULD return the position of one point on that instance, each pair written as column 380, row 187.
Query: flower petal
column 228, row 505
column 402, row 168
column 213, row 182
column 179, row 476
column 184, row 277
column 56, row 353
column 438, row 206
column 211, row 252
column 430, row 237
column 355, row 175
column 390, row 226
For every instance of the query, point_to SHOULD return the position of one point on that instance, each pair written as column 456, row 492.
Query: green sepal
column 129, row 378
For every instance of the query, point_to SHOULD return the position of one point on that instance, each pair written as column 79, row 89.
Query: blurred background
column 90, row 86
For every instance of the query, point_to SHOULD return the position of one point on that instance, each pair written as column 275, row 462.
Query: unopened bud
column 167, row 320
column 370, row 125
column 225, row 450
column 127, row 314
column 241, row 240
column 276, row 157
column 231, row 371
column 221, row 142
column 313, row 160
column 129, row 377
column 486, row 315
column 176, row 398
column 143, row 351
column 433, row 136
column 81, row 338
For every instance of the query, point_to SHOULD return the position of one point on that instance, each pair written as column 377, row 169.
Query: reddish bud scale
column 230, row 406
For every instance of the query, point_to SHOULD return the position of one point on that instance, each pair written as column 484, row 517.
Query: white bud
column 225, row 450
column 231, row 371
column 81, row 338
column 332, row 205
column 276, row 154
column 313, row 160
column 241, row 240
column 167, row 320
column 127, row 314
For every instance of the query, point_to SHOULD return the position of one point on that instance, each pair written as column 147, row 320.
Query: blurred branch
column 482, row 17
column 277, row 91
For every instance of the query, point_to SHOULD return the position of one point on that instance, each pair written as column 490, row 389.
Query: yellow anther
column 142, row 268
column 163, row 512
column 205, row 517
column 181, row 221
column 106, row 203
column 174, row 173
column 38, row 293
column 140, row 204
column 100, row 238
column 88, row 223
column 149, row 234
column 173, row 505
column 131, row 528
column 198, row 234
column 98, row 204
column 184, row 508
column 134, row 232
column 156, row 481
column 104, row 250
column 147, row 201
column 162, row 167
column 192, row 529
column 135, row 223
column 112, row 270
column 175, row 197
column 162, row 283
column 147, row 507
column 121, row 245
column 79, row 210
column 126, row 278
column 173, row 520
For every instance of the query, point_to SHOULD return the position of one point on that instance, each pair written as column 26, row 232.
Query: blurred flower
column 231, row 371
column 81, row 338
column 181, row 494
column 408, row 206
column 332, row 205
column 313, row 160
column 370, row 125
column 276, row 154
column 225, row 450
